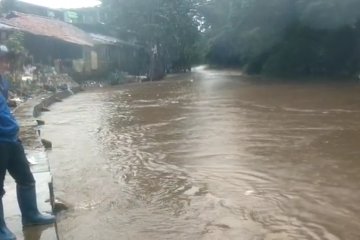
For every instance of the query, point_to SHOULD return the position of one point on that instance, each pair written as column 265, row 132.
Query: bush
column 116, row 77
column 306, row 51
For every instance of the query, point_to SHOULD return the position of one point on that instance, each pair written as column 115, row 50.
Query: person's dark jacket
column 9, row 128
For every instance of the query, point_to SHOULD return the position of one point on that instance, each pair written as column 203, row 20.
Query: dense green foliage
column 284, row 37
column 167, row 30
column 15, row 43
column 17, row 57
column 278, row 37
column 7, row 5
column 306, row 51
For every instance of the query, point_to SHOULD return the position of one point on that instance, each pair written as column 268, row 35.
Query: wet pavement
column 209, row 155
column 12, row 212
column 40, row 168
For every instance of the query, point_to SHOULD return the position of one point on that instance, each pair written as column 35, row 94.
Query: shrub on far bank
column 303, row 51
column 307, row 52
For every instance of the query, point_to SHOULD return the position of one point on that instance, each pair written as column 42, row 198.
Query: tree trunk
column 157, row 67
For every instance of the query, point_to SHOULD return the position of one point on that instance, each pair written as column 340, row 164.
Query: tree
column 7, row 5
column 15, row 43
column 166, row 30
column 283, row 36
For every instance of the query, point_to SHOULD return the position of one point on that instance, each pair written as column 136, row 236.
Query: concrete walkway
column 41, row 170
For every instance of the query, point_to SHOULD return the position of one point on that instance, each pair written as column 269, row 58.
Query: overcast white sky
column 64, row 3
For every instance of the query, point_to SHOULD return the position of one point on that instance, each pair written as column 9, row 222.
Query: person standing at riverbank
column 13, row 160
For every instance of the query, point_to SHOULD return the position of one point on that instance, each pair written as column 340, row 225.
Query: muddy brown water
column 209, row 155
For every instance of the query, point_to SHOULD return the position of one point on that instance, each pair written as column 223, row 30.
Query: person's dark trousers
column 13, row 159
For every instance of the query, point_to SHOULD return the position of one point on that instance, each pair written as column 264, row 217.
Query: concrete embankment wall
column 38, row 109
column 26, row 114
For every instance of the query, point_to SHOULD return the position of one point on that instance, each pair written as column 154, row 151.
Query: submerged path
column 41, row 170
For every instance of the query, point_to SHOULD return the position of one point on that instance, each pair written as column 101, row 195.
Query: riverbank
column 272, row 78
column 30, row 134
column 57, row 97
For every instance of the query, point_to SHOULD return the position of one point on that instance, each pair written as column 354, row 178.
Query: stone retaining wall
column 38, row 109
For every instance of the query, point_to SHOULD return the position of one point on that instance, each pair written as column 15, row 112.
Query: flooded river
column 208, row 155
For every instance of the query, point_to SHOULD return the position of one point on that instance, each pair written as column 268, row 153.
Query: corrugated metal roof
column 48, row 27
column 109, row 40
column 6, row 27
column 102, row 39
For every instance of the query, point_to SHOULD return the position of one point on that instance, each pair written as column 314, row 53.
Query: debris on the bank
column 40, row 122
column 45, row 109
column 58, row 99
column 12, row 104
column 59, row 206
column 47, row 144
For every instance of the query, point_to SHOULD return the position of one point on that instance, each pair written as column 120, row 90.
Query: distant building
column 89, row 16
column 86, row 16
column 29, row 8
column 69, row 48
column 48, row 39
column 78, row 37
